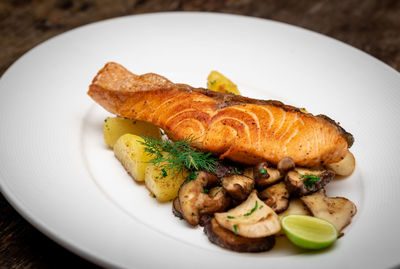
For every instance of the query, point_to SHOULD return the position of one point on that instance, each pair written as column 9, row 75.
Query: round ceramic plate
column 58, row 173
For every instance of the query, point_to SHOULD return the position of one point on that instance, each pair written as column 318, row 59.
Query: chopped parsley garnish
column 236, row 171
column 252, row 210
column 235, row 229
column 206, row 190
column 309, row 180
column 261, row 206
column 164, row 173
column 230, row 217
column 263, row 171
column 213, row 82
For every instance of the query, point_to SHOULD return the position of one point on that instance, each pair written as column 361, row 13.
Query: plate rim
column 19, row 206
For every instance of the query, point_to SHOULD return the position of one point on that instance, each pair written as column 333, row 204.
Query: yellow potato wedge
column 164, row 185
column 219, row 83
column 132, row 155
column 115, row 127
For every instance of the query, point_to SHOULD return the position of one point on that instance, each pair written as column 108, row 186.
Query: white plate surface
column 57, row 172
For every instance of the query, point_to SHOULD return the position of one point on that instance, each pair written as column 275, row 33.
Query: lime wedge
column 309, row 232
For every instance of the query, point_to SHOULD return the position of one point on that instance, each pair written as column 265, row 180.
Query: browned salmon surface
column 235, row 127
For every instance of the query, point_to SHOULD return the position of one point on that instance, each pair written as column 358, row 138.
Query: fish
column 238, row 128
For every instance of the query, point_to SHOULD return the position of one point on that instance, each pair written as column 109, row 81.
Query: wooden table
column 370, row 25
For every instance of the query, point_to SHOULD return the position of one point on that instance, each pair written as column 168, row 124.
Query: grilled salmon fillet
column 235, row 127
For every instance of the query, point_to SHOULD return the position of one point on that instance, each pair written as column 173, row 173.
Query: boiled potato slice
column 345, row 167
column 132, row 155
column 115, row 127
column 219, row 83
column 164, row 185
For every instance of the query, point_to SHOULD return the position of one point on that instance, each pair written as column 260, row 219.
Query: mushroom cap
column 336, row 210
column 239, row 187
column 193, row 202
column 286, row 164
column 296, row 180
column 229, row 240
column 276, row 196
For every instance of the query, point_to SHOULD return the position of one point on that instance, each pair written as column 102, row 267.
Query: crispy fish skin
column 235, row 127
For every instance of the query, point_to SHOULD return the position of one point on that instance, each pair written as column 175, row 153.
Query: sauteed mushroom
column 176, row 208
column 239, row 187
column 264, row 176
column 286, row 164
column 337, row 210
column 194, row 202
column 252, row 218
column 229, row 240
column 276, row 197
column 303, row 181
column 296, row 206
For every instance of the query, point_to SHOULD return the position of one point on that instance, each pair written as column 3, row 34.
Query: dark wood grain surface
column 370, row 25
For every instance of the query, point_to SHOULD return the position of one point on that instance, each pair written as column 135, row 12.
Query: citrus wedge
column 309, row 232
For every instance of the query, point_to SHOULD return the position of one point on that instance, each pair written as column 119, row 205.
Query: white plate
column 57, row 172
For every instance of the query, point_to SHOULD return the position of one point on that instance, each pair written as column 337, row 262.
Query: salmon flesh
column 242, row 129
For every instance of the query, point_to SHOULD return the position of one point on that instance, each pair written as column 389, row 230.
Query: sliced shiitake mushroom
column 276, row 197
column 260, row 171
column 194, row 201
column 249, row 172
column 296, row 206
column 226, row 168
column 239, row 187
column 337, row 210
column 303, row 181
column 273, row 176
column 176, row 208
column 229, row 240
column 252, row 218
column 263, row 175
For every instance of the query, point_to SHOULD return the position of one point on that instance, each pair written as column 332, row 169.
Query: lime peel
column 309, row 232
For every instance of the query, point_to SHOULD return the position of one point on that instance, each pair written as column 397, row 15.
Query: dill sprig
column 180, row 155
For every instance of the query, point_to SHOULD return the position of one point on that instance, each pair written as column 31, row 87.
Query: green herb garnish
column 182, row 155
column 230, row 217
column 164, row 173
column 263, row 171
column 235, row 229
column 261, row 206
column 310, row 180
column 252, row 210
column 236, row 171
column 192, row 176
column 206, row 190
column 213, row 82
